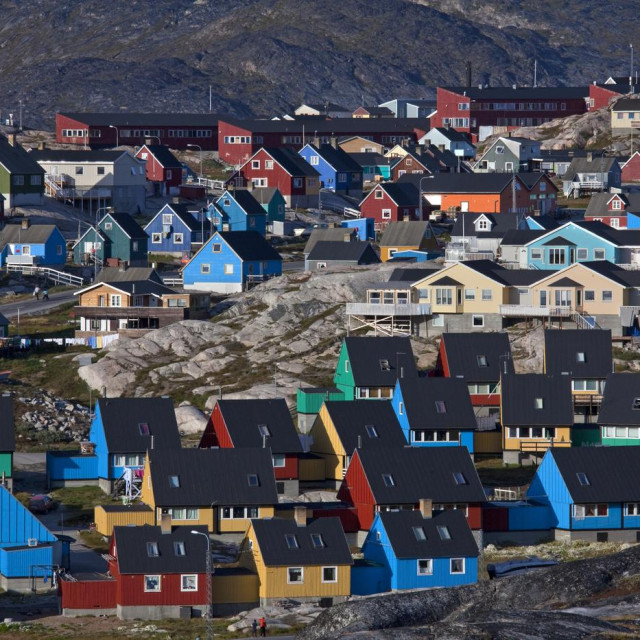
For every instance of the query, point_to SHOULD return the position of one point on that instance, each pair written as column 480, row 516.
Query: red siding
column 156, row 172
column 290, row 469
column 443, row 362
column 62, row 122
column 474, row 516
column 608, row 219
column 631, row 170
column 88, row 594
column 348, row 517
column 234, row 153
column 485, row 400
column 276, row 177
column 215, row 433
column 601, row 96
column 132, row 591
column 371, row 207
column 355, row 490
column 413, row 167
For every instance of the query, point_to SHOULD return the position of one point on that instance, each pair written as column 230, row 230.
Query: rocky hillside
column 261, row 56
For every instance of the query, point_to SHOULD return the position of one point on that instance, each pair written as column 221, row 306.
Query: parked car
column 41, row 503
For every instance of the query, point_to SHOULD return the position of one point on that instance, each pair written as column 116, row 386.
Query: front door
column 459, row 296
column 579, row 298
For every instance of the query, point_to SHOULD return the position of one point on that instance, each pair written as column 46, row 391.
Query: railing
column 369, row 309
column 352, row 213
column 632, row 266
column 460, row 255
column 584, row 322
column 212, row 185
column 172, row 282
column 525, row 311
column 58, row 277
column 507, row 494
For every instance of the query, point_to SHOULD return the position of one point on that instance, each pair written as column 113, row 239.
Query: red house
column 398, row 477
column 258, row 423
column 612, row 208
column 392, row 202
column 283, row 168
column 631, row 168
column 155, row 573
column 601, row 93
column 162, row 168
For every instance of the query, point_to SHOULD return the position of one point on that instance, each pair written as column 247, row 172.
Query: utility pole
column 20, row 103
column 535, row 74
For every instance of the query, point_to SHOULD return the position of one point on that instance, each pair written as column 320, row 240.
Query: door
column 579, row 298
column 563, row 297
column 464, row 206
column 459, row 296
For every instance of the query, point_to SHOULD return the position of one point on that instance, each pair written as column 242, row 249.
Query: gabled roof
column 620, row 392
column 404, row 195
column 271, row 536
column 375, row 111
column 626, row 104
column 331, row 126
column 352, row 417
column 337, row 158
column 417, row 472
column 565, row 282
column 358, row 251
column 460, row 182
column 330, row 234
column 478, row 357
column 546, row 221
column 437, row 403
column 446, row 281
column 245, row 200
column 131, row 287
column 133, row 554
column 264, row 194
column 412, row 274
column 559, row 241
column 35, row 234
column 104, row 156
column 581, row 356
column 250, row 245
column 375, row 361
column 519, row 394
column 507, row 277
column 399, row 526
column 584, row 165
column 122, row 417
column 531, row 178
column 126, row 222
column 116, row 274
column 598, row 204
column 622, row 277
column 403, row 234
column 325, row 106
column 181, row 211
column 612, row 473
column 206, row 476
column 7, row 425
column 520, row 237
column 290, row 161
column 16, row 160
column 368, row 159
column 163, row 155
column 452, row 134
column 500, row 224
column 243, row 419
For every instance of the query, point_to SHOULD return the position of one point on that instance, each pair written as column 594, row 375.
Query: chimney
column 426, row 507
column 122, row 266
column 300, row 515
column 133, row 289
column 316, row 142
column 11, row 139
column 418, row 150
column 590, row 156
column 42, row 146
column 151, row 446
column 175, row 200
column 334, row 142
column 468, row 73
column 25, row 224
column 165, row 523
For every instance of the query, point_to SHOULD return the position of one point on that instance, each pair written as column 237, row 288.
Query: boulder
column 190, row 419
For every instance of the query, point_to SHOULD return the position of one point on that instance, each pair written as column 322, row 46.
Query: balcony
column 525, row 311
column 459, row 252
column 369, row 309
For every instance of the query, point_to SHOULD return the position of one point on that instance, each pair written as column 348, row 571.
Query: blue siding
column 403, row 419
column 529, row 517
column 46, row 252
column 237, row 218
column 365, row 227
column 369, row 579
column 255, row 267
column 18, row 524
column 97, row 436
column 168, row 242
column 611, row 521
column 632, row 522
column 633, row 221
column 76, row 467
column 18, row 563
column 548, row 487
column 192, row 272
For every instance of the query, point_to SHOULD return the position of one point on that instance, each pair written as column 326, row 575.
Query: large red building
column 176, row 130
column 485, row 111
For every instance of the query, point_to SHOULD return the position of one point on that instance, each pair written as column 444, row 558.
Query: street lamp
column 420, row 194
column 112, row 126
column 197, row 146
column 209, row 590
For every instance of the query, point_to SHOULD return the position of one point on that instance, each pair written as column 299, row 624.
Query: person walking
column 36, row 293
column 263, row 628
column 254, row 629
column 45, row 294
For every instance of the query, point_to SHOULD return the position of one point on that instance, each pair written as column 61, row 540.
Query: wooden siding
column 88, row 594
column 311, row 469
column 487, row 442
column 562, row 439
column 106, row 520
column 355, row 490
column 327, row 445
column 232, row 588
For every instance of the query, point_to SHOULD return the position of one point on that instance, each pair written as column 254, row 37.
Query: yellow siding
column 230, row 589
column 146, row 494
column 240, row 525
column 384, row 251
column 311, row 469
column 106, row 520
column 487, row 442
column 328, row 445
column 562, row 439
column 205, row 518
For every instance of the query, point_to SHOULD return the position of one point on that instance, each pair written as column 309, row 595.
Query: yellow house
column 359, row 144
column 410, row 235
column 298, row 559
column 222, row 489
column 115, row 515
column 343, row 425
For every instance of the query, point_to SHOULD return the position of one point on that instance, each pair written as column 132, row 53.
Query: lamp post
column 197, row 146
column 209, row 590
column 113, row 126
column 420, row 194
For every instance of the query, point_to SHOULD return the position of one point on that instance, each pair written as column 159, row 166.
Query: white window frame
column 193, row 576
column 156, row 238
column 146, row 587
column 255, row 164
column 228, row 269
column 451, row 561
column 279, row 460
column 178, row 238
column 475, row 318
column 386, row 214
column 429, row 571
column 335, row 570
column 115, row 300
column 300, row 569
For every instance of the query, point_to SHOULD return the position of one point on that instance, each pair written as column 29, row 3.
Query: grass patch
column 95, row 541
column 57, row 323
column 79, row 502
column 623, row 354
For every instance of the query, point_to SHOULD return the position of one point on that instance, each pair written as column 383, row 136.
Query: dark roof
column 122, row 417
column 459, row 182
column 117, row 275
column 333, row 126
column 35, row 234
column 464, row 353
column 560, row 155
column 520, row 93
column 422, row 395
column 133, row 556
column 565, row 282
column 325, row 106
column 164, row 156
column 558, row 241
column 508, row 277
column 453, row 134
column 249, row 204
column 520, row 237
column 581, row 356
column 271, row 538
column 620, row 392
column 446, row 281
column 624, row 277
column 402, row 234
column 351, row 417
column 518, row 400
column 250, row 245
column 358, row 251
column 17, row 160
column 412, row 274
column 399, row 526
column 403, row 194
column 212, row 475
column 185, row 213
column 501, row 223
column 243, row 417
column 421, row 471
column 626, row 104
column 367, row 159
column 584, row 165
column 374, row 361
column 531, row 178
column 545, row 221
column 67, row 155
column 126, row 223
column 613, row 473
column 130, row 119
column 140, row 287
column 291, row 162
column 376, row 111
column 338, row 158
column 7, row 425
column 330, row 234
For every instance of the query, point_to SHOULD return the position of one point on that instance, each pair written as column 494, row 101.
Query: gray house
column 590, row 175
column 509, row 155
column 325, row 255
column 447, row 139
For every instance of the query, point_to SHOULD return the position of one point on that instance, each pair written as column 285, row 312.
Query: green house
column 7, row 441
column 21, row 177
column 309, row 401
column 619, row 416
column 272, row 202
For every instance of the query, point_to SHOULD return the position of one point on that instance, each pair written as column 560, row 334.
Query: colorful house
column 238, row 210
column 593, row 492
column 391, row 479
column 373, row 166
column 421, row 549
column 339, row 172
column 591, row 174
column 272, row 202
column 222, row 489
column 38, row 244
column 434, row 412
column 299, row 559
column 509, row 155
column 631, row 168
column 343, row 426
column 162, row 168
column 448, row 139
column 536, row 413
column 613, row 209
column 392, row 202
column 619, row 416
column 7, row 441
column 408, row 236
column 177, row 230
column 230, row 261
column 250, row 423
column 369, row 367
column 21, row 177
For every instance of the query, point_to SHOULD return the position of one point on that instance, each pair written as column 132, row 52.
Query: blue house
column 435, row 412
column 121, row 433
column 28, row 550
column 41, row 244
column 272, row 201
column 230, row 261
column 420, row 550
column 238, row 210
column 364, row 227
column 593, row 492
column 338, row 171
column 175, row 230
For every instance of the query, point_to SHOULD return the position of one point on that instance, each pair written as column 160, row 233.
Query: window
column 443, row 532
column 379, row 195
column 616, row 204
column 100, row 171
column 598, row 254
column 419, row 533
column 189, row 582
column 425, row 567
column 384, row 365
column 297, row 183
column 607, row 296
column 329, row 574
column 264, row 430
column 581, row 356
column 178, row 548
column 632, row 509
column 371, row 430
column 295, row 575
column 238, row 513
column 482, row 361
column 116, row 301
column 591, row 510
column 184, row 513
column 457, row 565
column 152, row 549
column 487, row 294
column 174, row 482
column 459, row 477
column 216, row 247
column 556, row 256
column 589, row 296
column 386, row 214
column 469, row 294
column 18, row 180
column 255, row 164
column 538, row 403
column 444, row 296
column 253, row 480
column 152, row 583
column 178, row 238
column 59, row 249
column 35, row 180
column 268, row 164
column 441, row 407
column 317, row 541
column 205, row 268
column 401, row 408
column 583, row 479
column 477, row 321
column 279, row 460
column 228, row 269
column 79, row 171
column 636, row 403
column 292, row 541
column 583, row 254
column 156, row 238
column 388, row 480
column 134, row 245
column 536, row 254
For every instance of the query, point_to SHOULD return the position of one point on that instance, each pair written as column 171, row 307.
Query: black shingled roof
column 338, row 158
column 367, row 353
column 16, row 160
column 242, row 418
column 620, row 392
column 164, row 156
column 421, row 472
column 126, row 223
column 561, row 349
column 133, row 557
column 245, row 199
column 140, row 287
column 412, row 274
column 212, row 475
column 121, row 418
column 333, row 126
column 518, row 395
column 7, row 426
column 520, row 93
column 501, row 223
column 291, row 162
column 185, row 214
column 358, row 251
column 403, row 194
column 399, row 527
column 351, row 417
column 250, row 245
column 464, row 349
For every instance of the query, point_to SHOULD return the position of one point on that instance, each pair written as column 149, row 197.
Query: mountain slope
column 261, row 56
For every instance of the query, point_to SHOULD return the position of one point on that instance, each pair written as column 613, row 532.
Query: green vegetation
column 494, row 473
column 57, row 323
column 78, row 503
column 95, row 541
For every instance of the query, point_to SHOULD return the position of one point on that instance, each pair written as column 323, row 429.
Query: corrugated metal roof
column 403, row 234
column 520, row 395
column 620, row 393
column 250, row 245
column 375, row 361
column 358, row 251
column 478, row 357
column 581, row 355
